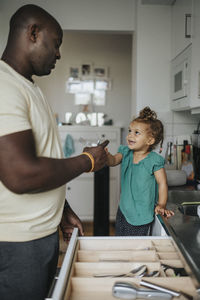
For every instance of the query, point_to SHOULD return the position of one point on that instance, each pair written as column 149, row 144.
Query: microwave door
column 180, row 81
column 185, row 78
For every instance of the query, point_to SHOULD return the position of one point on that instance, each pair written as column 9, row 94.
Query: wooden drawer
column 89, row 257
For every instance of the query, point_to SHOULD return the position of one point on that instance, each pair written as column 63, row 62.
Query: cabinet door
column 181, row 25
column 195, row 77
column 80, row 194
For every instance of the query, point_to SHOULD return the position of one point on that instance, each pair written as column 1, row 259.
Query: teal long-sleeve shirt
column 139, row 189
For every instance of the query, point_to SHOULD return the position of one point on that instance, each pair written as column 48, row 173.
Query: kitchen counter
column 185, row 229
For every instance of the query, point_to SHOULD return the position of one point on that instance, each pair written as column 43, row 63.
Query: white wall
column 112, row 50
column 112, row 15
column 153, row 57
column 151, row 50
column 153, row 47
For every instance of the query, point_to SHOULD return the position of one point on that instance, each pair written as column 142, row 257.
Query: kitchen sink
column 190, row 208
column 180, row 196
column 187, row 202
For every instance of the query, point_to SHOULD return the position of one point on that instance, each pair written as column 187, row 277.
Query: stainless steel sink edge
column 179, row 196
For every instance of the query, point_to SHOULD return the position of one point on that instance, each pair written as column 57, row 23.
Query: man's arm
column 23, row 172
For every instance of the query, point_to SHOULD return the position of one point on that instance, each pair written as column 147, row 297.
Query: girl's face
column 139, row 136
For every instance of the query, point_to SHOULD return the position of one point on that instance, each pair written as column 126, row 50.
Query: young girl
column 143, row 179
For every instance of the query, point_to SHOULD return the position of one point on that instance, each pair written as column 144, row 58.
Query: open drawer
column 92, row 264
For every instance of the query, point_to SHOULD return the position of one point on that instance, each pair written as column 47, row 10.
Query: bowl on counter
column 176, row 177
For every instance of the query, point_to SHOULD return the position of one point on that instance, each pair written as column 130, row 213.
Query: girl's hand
column 113, row 160
column 163, row 211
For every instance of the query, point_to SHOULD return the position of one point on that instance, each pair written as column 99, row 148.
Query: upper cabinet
column 185, row 65
column 181, row 25
column 195, row 68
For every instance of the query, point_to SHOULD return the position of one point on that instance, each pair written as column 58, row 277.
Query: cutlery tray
column 87, row 257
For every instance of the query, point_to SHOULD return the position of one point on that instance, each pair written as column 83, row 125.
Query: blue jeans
column 28, row 268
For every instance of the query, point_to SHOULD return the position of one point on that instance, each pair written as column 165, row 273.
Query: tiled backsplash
column 178, row 126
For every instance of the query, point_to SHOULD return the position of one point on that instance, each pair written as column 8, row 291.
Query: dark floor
column 88, row 228
column 88, row 231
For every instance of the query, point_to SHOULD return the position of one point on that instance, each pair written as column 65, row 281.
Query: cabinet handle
column 68, row 188
column 187, row 26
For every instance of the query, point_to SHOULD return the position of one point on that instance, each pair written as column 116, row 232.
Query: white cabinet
column 195, row 75
column 80, row 191
column 181, row 25
column 157, row 228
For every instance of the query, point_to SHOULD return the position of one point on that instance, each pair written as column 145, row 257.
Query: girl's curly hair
column 149, row 117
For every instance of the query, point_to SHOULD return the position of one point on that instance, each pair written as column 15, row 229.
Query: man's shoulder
column 11, row 85
column 7, row 80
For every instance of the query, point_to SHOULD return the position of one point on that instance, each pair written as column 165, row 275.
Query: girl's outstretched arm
column 113, row 160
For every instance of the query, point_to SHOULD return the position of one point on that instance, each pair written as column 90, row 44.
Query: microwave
column 180, row 80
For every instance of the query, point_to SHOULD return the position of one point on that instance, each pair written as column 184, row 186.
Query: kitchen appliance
column 176, row 177
column 180, row 80
column 190, row 208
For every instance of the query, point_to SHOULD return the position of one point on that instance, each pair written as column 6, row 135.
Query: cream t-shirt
column 22, row 106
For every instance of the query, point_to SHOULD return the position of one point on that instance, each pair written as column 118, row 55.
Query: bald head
column 30, row 13
column 33, row 42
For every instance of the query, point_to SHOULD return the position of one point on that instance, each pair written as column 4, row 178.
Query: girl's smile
column 139, row 136
column 130, row 142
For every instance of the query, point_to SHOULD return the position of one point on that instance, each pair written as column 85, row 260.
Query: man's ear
column 33, row 31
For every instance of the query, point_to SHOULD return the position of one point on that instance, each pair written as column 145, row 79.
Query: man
column 33, row 172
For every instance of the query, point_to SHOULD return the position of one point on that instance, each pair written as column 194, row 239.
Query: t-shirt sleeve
column 14, row 111
column 120, row 149
column 154, row 162
column 159, row 163
column 123, row 149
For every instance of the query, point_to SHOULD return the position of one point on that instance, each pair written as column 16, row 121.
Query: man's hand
column 99, row 154
column 68, row 222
